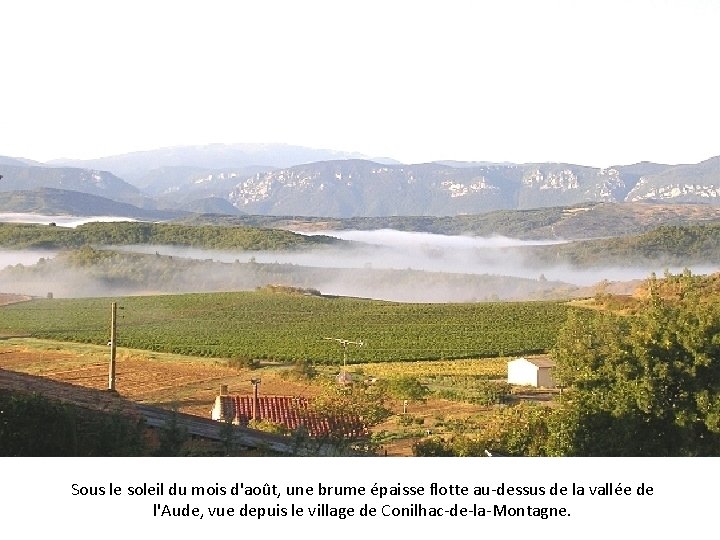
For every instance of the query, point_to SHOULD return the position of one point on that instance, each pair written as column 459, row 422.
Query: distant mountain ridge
column 681, row 183
column 135, row 166
column 60, row 201
column 93, row 182
column 364, row 188
column 255, row 179
column 211, row 205
column 20, row 162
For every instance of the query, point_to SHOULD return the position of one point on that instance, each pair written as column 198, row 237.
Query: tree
column 358, row 399
column 172, row 436
column 406, row 387
column 642, row 385
column 33, row 425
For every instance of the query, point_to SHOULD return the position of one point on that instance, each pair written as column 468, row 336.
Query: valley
column 390, row 293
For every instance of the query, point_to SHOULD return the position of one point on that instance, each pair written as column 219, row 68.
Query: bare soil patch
column 188, row 385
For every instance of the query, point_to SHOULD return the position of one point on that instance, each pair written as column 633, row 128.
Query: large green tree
column 642, row 385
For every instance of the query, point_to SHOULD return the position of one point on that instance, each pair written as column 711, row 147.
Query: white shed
column 536, row 371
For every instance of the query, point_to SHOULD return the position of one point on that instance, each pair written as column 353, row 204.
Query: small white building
column 536, row 371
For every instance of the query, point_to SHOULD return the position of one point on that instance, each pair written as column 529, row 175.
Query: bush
column 244, row 362
column 406, row 387
column 32, row 425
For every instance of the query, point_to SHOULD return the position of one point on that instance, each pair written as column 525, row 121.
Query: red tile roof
column 291, row 412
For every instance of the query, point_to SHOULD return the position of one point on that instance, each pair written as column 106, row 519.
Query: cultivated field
column 175, row 351
column 289, row 327
column 191, row 384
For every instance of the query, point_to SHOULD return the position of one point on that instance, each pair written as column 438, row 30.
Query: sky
column 592, row 82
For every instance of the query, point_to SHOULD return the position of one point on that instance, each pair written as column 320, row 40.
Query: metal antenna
column 345, row 343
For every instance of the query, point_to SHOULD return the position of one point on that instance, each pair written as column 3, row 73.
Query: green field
column 287, row 327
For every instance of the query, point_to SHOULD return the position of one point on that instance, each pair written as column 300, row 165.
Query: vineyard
column 478, row 380
column 286, row 327
column 487, row 368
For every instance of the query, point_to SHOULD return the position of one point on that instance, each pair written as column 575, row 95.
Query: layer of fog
column 398, row 239
column 64, row 280
column 11, row 257
column 388, row 265
column 398, row 250
column 60, row 221
column 384, row 249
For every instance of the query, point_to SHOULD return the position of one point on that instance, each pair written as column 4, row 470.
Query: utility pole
column 256, row 401
column 113, row 345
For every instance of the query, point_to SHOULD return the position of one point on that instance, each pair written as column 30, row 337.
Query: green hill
column 22, row 235
column 61, row 201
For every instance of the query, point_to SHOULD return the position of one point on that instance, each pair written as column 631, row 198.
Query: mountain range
column 289, row 180
column 139, row 168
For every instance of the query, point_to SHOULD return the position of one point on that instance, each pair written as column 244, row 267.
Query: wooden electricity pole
column 256, row 400
column 113, row 345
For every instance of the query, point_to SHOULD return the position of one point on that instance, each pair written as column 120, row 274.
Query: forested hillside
column 561, row 222
column 667, row 245
column 18, row 235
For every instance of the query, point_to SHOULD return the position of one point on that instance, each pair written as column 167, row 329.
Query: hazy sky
column 592, row 82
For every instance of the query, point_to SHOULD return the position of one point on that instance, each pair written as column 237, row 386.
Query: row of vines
column 289, row 327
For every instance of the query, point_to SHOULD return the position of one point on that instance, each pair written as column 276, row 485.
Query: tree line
column 673, row 245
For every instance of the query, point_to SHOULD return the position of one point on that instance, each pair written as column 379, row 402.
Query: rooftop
column 539, row 361
column 291, row 412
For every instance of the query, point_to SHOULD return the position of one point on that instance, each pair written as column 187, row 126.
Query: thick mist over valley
column 9, row 257
column 432, row 253
column 383, row 264
column 385, row 249
column 59, row 220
